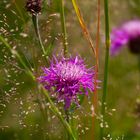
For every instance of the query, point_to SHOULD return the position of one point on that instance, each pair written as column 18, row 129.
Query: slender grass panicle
column 66, row 78
column 33, row 6
column 128, row 33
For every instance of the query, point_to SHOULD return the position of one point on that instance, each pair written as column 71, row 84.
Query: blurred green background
column 20, row 115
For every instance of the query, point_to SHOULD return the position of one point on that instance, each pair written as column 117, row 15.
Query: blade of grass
column 107, row 36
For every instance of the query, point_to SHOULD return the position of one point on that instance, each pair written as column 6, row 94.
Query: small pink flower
column 127, row 34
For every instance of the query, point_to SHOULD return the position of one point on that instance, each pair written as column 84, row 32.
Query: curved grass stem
column 36, row 27
column 107, row 35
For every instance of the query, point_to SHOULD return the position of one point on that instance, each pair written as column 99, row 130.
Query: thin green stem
column 68, row 121
column 36, row 27
column 107, row 34
column 57, row 112
column 63, row 25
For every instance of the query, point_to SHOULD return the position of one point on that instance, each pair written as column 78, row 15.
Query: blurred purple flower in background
column 33, row 6
column 127, row 34
column 67, row 78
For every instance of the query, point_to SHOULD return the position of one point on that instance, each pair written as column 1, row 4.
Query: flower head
column 33, row 6
column 128, row 33
column 66, row 78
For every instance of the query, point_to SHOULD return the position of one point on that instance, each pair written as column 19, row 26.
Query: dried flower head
column 33, row 6
column 128, row 33
column 66, row 78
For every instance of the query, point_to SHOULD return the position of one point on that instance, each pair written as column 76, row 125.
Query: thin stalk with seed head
column 36, row 27
column 63, row 26
column 105, row 82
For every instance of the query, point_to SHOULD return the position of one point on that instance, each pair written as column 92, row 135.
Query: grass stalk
column 105, row 82
column 65, row 44
column 63, row 26
column 68, row 121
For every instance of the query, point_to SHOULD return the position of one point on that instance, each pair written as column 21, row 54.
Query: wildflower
column 67, row 78
column 33, row 6
column 127, row 34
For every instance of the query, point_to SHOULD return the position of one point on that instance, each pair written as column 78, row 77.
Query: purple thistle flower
column 66, row 78
column 127, row 34
column 33, row 6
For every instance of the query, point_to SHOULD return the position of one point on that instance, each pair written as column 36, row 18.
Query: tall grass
column 105, row 82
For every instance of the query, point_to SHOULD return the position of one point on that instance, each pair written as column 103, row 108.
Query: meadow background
column 20, row 117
